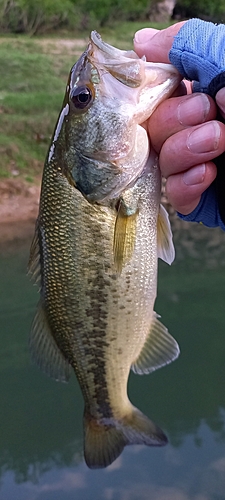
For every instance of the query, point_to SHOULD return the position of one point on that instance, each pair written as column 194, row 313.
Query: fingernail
column 220, row 99
column 144, row 35
column 204, row 138
column 193, row 109
column 194, row 175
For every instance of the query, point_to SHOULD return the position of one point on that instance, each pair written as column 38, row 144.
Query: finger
column 188, row 85
column 220, row 100
column 180, row 90
column 185, row 189
column 175, row 114
column 184, row 88
column 192, row 146
column 155, row 44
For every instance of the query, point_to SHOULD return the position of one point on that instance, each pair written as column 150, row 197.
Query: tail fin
column 105, row 439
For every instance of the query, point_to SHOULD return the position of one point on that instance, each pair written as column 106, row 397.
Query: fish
column 98, row 236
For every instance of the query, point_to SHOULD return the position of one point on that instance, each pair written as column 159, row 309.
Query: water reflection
column 41, row 420
column 189, row 473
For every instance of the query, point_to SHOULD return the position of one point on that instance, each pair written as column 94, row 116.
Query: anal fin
column 159, row 349
column 44, row 350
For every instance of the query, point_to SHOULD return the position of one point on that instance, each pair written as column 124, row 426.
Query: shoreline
column 19, row 202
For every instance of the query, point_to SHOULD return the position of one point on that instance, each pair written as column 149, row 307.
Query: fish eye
column 81, row 97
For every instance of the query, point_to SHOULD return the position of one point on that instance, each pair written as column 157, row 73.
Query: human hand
column 183, row 129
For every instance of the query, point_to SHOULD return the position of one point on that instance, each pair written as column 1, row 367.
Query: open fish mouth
column 152, row 81
column 121, row 91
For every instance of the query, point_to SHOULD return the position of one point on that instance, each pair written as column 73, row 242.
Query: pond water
column 41, row 420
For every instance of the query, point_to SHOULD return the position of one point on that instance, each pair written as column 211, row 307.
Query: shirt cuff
column 207, row 210
column 198, row 52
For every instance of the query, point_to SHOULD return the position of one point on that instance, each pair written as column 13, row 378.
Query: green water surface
column 41, row 455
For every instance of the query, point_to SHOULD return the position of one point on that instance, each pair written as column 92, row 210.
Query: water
column 41, row 420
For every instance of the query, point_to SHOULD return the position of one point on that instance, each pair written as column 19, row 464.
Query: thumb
column 155, row 44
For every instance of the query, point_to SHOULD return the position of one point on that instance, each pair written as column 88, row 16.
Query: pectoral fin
column 44, row 350
column 166, row 250
column 159, row 349
column 124, row 237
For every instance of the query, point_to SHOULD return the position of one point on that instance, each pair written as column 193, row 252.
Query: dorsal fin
column 124, row 237
column 166, row 250
column 159, row 349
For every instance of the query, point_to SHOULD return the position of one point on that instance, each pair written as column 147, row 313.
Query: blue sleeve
column 207, row 210
column 198, row 52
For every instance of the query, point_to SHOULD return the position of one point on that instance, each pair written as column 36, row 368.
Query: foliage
column 33, row 16
column 38, row 16
column 206, row 9
column 103, row 12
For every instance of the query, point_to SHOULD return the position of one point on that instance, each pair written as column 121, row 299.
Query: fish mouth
column 124, row 92
column 153, row 81
column 123, row 78
column 110, row 51
column 124, row 65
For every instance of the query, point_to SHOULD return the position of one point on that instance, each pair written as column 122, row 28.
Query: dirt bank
column 19, row 202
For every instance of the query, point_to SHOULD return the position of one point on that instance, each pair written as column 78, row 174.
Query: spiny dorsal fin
column 159, row 349
column 34, row 267
column 166, row 250
column 124, row 237
column 44, row 350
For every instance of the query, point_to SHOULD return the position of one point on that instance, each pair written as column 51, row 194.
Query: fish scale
column 98, row 236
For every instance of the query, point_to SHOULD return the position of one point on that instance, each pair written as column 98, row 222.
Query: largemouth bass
column 98, row 237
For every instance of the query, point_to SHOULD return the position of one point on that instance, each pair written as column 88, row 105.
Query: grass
column 33, row 79
column 34, row 73
column 121, row 35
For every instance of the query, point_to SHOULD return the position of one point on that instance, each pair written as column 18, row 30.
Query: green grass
column 34, row 74
column 121, row 35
